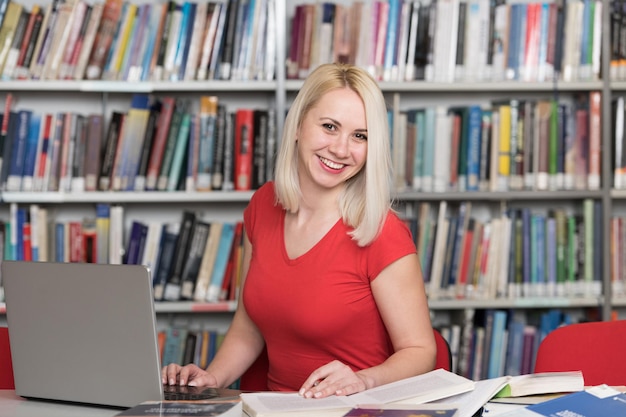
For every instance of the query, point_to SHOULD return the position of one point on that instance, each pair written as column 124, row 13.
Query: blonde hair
column 366, row 198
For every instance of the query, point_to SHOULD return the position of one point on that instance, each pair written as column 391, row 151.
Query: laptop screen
column 82, row 332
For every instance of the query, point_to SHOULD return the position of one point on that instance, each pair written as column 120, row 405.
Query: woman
column 333, row 285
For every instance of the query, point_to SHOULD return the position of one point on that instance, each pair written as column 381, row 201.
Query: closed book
column 228, row 48
column 18, row 151
column 147, row 145
column 208, row 261
column 195, row 43
column 261, row 130
column 11, row 120
column 129, row 150
column 26, row 55
column 88, row 40
column 103, row 222
column 173, row 285
column 75, row 24
column 151, row 250
column 78, row 163
column 217, row 177
column 4, row 128
column 51, row 175
column 168, row 104
column 208, row 42
column 169, row 237
column 60, row 34
column 194, row 260
column 8, row 29
column 93, row 151
column 111, row 15
column 116, row 234
column 10, row 62
column 180, row 151
column 68, row 141
column 244, row 148
column 90, row 240
column 597, row 401
column 221, row 261
column 136, row 243
column 219, row 42
column 180, row 109
column 114, row 130
column 30, row 153
column 164, row 34
column 207, row 140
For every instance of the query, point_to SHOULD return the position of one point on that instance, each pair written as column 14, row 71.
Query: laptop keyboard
column 186, row 393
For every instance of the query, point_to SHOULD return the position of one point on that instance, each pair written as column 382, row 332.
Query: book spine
column 173, row 285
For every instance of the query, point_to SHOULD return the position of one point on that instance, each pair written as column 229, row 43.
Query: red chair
column 255, row 378
column 595, row 348
column 6, row 365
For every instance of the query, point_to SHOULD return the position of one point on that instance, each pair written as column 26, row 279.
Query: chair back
column 6, row 364
column 444, row 354
column 595, row 348
column 255, row 378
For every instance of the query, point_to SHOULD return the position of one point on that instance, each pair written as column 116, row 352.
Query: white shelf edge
column 98, row 86
column 531, row 302
column 194, row 307
column 491, row 86
column 127, row 197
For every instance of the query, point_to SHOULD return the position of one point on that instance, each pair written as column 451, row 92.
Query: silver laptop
column 86, row 333
column 82, row 332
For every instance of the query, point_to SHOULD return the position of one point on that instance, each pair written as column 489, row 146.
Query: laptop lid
column 82, row 332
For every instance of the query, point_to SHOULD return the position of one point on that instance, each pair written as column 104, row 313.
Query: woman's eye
column 360, row 136
column 329, row 126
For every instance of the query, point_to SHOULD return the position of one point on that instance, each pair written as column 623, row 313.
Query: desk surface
column 12, row 405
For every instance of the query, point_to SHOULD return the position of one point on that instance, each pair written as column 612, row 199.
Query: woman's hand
column 191, row 375
column 334, row 378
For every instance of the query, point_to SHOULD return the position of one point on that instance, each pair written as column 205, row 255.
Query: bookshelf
column 106, row 96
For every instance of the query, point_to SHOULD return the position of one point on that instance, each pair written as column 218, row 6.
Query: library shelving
column 105, row 96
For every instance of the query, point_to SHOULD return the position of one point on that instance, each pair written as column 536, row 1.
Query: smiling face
column 332, row 140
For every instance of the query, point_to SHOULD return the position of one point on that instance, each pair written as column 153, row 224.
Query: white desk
column 12, row 405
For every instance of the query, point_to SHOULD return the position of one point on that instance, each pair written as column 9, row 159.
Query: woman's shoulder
column 265, row 191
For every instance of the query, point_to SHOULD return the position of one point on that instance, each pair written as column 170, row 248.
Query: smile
column 330, row 163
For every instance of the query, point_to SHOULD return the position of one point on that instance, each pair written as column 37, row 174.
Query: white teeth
column 331, row 164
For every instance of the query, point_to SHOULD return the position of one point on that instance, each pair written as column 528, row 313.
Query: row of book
column 158, row 144
column 183, row 345
column 121, row 40
column 522, row 253
column 190, row 259
column 492, row 343
column 516, row 144
column 451, row 40
column 617, row 247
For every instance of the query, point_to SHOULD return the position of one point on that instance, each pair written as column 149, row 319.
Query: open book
column 419, row 389
column 507, row 386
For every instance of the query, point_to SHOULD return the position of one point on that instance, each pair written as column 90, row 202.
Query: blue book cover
column 18, row 151
column 496, row 352
column 221, row 261
column 179, row 153
column 22, row 217
column 391, row 49
column 59, row 247
column 30, row 153
column 475, row 115
column 598, row 401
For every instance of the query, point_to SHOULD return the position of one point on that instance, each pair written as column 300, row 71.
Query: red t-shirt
column 318, row 307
